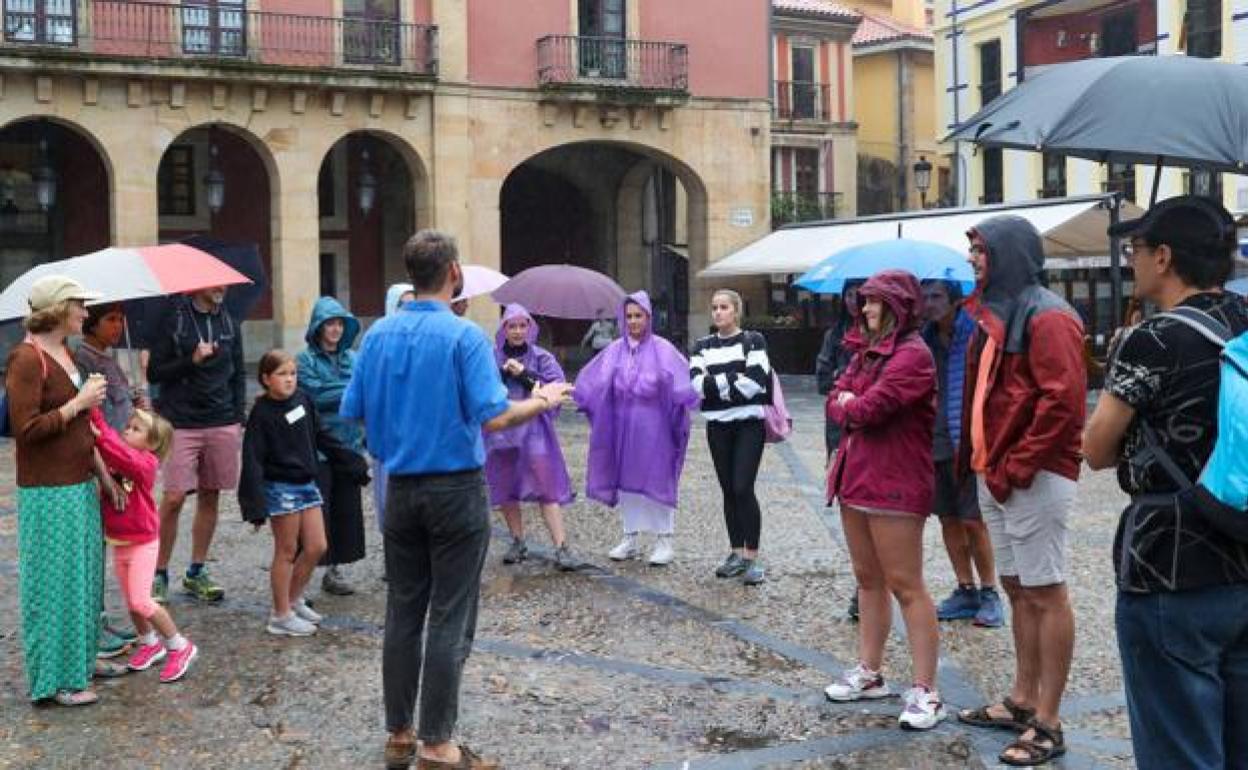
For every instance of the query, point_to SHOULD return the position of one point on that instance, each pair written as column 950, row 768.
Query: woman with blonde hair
column 59, row 540
column 731, row 373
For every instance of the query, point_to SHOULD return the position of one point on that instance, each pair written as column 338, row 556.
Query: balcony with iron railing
column 191, row 33
column 797, row 100
column 788, row 206
column 643, row 67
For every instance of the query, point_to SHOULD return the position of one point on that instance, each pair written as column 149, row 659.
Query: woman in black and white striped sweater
column 730, row 370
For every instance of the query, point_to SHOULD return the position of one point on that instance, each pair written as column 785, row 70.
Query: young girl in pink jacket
column 133, row 458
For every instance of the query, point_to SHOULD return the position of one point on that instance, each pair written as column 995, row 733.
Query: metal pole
column 1152, row 200
column 1115, row 262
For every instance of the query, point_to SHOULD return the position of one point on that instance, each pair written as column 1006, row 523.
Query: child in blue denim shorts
column 278, row 485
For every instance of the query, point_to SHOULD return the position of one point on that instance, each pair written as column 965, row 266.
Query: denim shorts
column 281, row 498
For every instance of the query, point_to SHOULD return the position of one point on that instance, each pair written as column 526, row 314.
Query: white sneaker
column 305, row 612
column 663, row 552
column 291, row 625
column 922, row 709
column 856, row 684
column 627, row 549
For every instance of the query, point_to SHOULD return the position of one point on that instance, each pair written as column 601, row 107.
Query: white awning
column 1072, row 227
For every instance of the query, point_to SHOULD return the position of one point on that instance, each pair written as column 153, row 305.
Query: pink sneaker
column 147, row 656
column 179, row 662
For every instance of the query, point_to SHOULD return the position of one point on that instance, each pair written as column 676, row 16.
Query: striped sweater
column 733, row 376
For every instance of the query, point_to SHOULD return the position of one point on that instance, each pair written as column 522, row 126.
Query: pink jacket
column 139, row 522
column 884, row 458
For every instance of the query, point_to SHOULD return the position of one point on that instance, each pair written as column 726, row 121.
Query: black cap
column 1192, row 221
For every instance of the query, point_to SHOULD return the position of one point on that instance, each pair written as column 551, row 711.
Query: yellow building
column 895, row 108
column 984, row 48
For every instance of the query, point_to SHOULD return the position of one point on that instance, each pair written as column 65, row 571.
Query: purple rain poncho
column 637, row 397
column 524, row 464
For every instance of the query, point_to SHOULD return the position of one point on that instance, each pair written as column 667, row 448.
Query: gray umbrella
column 1167, row 110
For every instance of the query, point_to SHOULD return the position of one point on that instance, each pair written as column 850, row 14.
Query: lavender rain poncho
column 637, row 396
column 524, row 464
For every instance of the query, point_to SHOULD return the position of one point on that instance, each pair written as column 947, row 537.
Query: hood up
column 1015, row 265
column 510, row 313
column 392, row 296
column 642, row 300
column 900, row 291
column 325, row 309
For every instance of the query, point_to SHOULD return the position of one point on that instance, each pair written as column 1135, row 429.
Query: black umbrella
column 1163, row 110
column 145, row 317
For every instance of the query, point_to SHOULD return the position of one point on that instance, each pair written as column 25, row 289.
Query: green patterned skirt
column 60, row 575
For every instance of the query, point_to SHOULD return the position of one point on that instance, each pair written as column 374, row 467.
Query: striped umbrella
column 127, row 273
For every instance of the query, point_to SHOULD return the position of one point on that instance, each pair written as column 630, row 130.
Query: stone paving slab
column 619, row 665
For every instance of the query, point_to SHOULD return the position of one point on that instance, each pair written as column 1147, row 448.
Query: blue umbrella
column 924, row 259
column 1238, row 286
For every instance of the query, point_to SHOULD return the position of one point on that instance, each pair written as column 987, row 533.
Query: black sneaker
column 517, row 553
column 733, row 566
column 564, row 559
column 852, row 611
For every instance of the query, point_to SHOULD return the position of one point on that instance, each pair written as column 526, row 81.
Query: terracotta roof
column 875, row 30
column 823, row 9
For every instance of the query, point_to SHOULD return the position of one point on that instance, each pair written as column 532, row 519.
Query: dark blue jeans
column 1185, row 667
column 437, row 532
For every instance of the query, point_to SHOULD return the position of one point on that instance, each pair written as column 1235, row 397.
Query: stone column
column 296, row 245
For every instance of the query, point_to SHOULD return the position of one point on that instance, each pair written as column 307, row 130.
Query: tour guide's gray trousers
column 437, row 532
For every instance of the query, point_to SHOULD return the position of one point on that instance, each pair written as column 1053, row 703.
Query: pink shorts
column 135, row 566
column 204, row 459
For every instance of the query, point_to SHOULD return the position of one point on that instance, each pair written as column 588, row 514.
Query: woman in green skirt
column 59, row 542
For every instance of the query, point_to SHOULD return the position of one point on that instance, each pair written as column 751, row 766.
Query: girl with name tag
column 278, row 484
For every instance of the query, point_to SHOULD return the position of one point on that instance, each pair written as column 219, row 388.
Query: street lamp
column 214, row 182
column 923, row 179
column 367, row 184
column 44, row 178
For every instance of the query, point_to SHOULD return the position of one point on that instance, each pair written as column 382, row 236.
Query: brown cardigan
column 50, row 452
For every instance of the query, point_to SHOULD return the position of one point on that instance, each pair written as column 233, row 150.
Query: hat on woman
column 51, row 289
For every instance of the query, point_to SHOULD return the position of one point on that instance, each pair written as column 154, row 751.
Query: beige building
column 620, row 137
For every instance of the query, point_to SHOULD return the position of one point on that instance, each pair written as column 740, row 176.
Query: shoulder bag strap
column 1202, row 323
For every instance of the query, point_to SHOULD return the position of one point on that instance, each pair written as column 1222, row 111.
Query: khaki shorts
column 204, row 459
column 1028, row 531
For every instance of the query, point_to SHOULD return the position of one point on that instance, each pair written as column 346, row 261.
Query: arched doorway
column 626, row 210
column 55, row 195
column 216, row 180
column 369, row 191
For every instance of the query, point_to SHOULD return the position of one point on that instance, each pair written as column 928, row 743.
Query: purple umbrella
column 562, row 291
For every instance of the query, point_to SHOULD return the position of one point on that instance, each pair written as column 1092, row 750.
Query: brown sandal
column 1037, row 753
column 468, row 760
column 1018, row 719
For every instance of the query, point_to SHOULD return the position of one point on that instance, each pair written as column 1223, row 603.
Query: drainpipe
column 958, row 191
column 903, row 147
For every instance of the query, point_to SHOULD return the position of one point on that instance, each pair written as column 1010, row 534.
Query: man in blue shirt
column 426, row 384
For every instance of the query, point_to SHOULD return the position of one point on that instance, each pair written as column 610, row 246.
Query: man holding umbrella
column 197, row 359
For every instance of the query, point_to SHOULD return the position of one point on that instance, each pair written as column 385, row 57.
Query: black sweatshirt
column 204, row 395
column 280, row 444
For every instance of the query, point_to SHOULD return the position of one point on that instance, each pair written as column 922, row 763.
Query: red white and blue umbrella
column 122, row 273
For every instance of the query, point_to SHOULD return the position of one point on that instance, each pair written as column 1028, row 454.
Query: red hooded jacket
column 884, row 458
column 139, row 522
column 1037, row 382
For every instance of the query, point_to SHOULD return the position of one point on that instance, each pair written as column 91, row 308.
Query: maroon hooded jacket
column 884, row 458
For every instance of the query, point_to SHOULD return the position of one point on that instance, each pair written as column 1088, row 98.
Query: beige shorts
column 204, row 459
column 1029, row 530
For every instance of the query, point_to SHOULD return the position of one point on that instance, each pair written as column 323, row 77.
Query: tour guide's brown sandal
column 1047, row 744
column 1018, row 719
column 468, row 760
column 400, row 751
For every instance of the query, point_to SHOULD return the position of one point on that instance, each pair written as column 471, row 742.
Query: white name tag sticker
column 296, row 414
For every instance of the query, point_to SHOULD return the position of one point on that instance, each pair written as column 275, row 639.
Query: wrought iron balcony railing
column 788, row 207
column 609, row 62
column 198, row 31
column 798, row 100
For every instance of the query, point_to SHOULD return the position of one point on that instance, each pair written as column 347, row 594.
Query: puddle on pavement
column 729, row 739
column 516, row 584
column 761, row 660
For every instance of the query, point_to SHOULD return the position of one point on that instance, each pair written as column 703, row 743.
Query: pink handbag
column 776, row 419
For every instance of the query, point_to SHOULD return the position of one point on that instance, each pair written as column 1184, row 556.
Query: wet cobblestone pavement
column 614, row 666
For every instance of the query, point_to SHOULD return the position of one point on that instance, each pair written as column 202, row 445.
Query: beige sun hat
column 51, row 289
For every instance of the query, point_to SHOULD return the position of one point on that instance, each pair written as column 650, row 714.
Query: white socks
column 175, row 642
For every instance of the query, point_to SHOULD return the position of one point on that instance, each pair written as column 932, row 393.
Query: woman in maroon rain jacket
column 883, row 478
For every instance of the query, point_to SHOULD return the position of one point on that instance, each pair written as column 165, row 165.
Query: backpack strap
column 1202, row 323
column 43, row 362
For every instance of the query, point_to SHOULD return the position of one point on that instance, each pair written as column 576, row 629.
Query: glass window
column 989, row 71
column 215, row 27
column 994, row 186
column 51, row 22
column 1202, row 28
column 1054, row 176
column 175, row 182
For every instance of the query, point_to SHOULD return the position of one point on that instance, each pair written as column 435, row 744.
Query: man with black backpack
column 1182, row 614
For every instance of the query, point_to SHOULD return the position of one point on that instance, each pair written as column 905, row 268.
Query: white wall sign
column 741, row 217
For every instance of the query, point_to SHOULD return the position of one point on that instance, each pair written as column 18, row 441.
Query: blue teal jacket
column 324, row 376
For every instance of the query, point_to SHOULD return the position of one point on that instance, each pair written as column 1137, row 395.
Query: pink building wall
column 502, row 43
column 729, row 42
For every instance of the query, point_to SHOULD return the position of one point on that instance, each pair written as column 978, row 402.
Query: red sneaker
column 147, row 656
column 178, row 664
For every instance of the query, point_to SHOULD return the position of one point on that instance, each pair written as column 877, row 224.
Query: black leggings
column 737, row 449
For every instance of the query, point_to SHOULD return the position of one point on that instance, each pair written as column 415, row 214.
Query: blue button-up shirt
column 424, row 383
